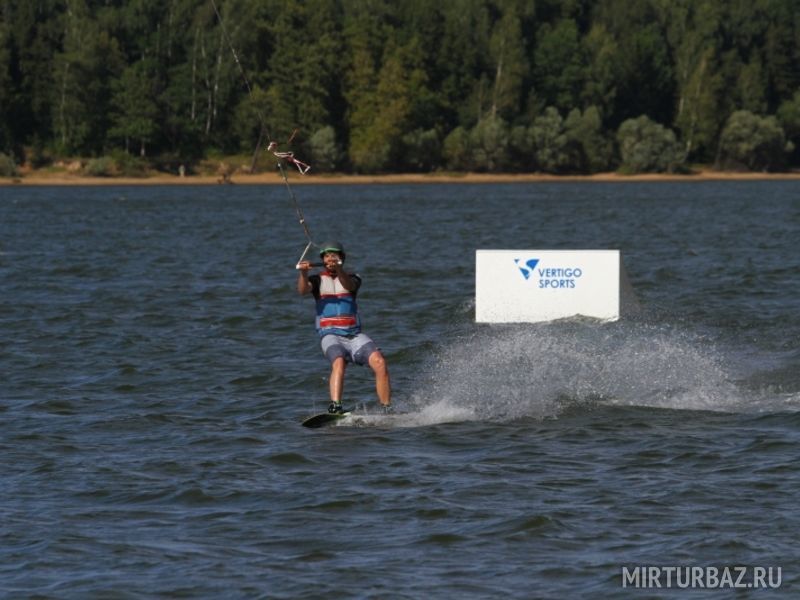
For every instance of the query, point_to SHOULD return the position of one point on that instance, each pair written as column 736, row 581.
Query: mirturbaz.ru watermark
column 682, row 577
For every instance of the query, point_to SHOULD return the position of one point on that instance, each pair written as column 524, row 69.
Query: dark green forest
column 379, row 86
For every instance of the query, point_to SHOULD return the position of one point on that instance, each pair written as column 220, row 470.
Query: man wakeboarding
column 339, row 325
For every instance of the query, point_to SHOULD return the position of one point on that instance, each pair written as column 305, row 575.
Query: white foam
column 508, row 372
column 433, row 414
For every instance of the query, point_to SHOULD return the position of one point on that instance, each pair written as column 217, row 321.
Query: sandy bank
column 310, row 179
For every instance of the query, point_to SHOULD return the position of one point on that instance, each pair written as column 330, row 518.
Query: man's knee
column 378, row 363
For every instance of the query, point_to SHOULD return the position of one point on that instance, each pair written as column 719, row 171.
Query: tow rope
column 283, row 157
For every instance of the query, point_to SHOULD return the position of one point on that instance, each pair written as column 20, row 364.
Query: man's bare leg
column 337, row 379
column 382, row 385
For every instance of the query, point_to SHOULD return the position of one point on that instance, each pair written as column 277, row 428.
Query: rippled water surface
column 155, row 363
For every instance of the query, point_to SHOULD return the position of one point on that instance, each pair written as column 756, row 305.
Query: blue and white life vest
column 337, row 311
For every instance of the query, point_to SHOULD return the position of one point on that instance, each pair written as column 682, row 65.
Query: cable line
column 283, row 157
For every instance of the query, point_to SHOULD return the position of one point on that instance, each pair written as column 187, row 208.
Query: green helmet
column 331, row 247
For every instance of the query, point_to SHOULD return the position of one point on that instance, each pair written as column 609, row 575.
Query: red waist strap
column 341, row 321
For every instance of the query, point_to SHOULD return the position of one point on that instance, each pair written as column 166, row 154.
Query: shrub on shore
column 8, row 167
column 100, row 167
column 753, row 143
column 648, row 147
column 119, row 164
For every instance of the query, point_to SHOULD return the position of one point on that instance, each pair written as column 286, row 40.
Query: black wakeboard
column 323, row 419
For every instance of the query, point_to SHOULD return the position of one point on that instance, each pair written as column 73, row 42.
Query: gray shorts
column 355, row 349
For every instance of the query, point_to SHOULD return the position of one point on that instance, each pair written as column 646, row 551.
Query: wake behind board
column 323, row 419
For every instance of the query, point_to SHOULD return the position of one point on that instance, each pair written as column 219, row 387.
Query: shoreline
column 66, row 179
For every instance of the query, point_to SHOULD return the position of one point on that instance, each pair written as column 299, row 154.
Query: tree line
column 370, row 86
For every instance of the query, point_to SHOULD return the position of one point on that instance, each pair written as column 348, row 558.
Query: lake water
column 155, row 363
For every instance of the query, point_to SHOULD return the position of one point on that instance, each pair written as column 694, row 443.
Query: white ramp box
column 529, row 286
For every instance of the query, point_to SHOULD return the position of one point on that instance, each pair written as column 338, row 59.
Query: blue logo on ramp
column 527, row 269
